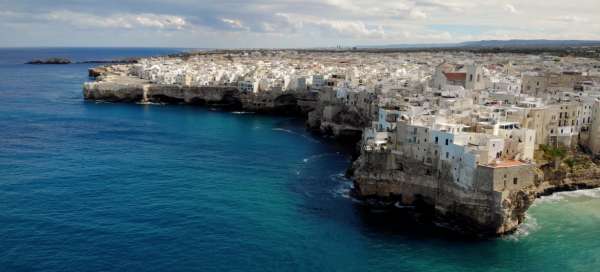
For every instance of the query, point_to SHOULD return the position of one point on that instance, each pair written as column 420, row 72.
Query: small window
column 446, row 141
column 515, row 180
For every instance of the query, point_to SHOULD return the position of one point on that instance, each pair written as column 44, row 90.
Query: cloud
column 349, row 29
column 510, row 8
column 447, row 5
column 337, row 28
column 233, row 23
column 119, row 20
column 417, row 14
column 570, row 19
column 161, row 21
column 292, row 23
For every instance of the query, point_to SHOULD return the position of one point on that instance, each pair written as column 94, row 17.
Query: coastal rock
column 109, row 87
column 129, row 91
column 342, row 122
column 50, row 61
column 381, row 182
column 96, row 71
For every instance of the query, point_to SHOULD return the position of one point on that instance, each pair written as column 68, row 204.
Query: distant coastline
column 68, row 61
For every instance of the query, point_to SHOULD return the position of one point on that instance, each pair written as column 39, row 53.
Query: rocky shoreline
column 68, row 61
column 481, row 212
column 337, row 121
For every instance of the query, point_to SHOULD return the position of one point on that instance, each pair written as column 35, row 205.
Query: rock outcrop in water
column 50, row 61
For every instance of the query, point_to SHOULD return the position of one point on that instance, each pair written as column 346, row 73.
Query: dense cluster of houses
column 464, row 109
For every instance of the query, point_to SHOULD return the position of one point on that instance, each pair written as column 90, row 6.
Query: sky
column 289, row 23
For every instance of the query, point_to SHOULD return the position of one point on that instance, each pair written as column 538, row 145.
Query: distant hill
column 493, row 43
column 530, row 43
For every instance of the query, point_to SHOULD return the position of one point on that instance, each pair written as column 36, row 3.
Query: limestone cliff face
column 340, row 121
column 113, row 92
column 479, row 211
column 223, row 96
column 130, row 89
column 379, row 183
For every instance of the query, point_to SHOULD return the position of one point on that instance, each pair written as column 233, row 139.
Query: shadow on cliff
column 407, row 224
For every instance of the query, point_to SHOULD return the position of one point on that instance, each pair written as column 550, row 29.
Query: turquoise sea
column 90, row 186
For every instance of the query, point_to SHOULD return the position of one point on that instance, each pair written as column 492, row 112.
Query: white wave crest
column 242, row 112
column 284, row 130
column 308, row 137
column 529, row 226
column 560, row 196
column 318, row 156
column 344, row 186
column 149, row 103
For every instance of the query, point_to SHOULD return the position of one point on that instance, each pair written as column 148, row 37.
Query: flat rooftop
column 504, row 164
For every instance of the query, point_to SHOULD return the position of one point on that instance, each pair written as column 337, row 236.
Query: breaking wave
column 284, row 130
column 242, row 112
column 318, row 156
column 560, row 196
column 343, row 187
column 529, row 226
column 149, row 103
column 296, row 133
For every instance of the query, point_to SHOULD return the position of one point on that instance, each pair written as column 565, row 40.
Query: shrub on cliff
column 554, row 153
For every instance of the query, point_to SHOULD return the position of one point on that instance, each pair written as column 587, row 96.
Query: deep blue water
column 114, row 187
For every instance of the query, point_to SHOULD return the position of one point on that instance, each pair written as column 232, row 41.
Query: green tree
column 555, row 154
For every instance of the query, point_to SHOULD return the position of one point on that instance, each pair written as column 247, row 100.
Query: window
column 446, row 141
column 447, row 155
column 515, row 180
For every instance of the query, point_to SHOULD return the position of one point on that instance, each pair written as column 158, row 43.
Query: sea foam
column 560, row 196
column 529, row 226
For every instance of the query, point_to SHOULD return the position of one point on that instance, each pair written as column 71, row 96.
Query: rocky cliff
column 130, row 89
column 342, row 122
column 378, row 179
column 478, row 211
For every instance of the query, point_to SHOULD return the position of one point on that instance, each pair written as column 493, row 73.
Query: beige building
column 539, row 84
